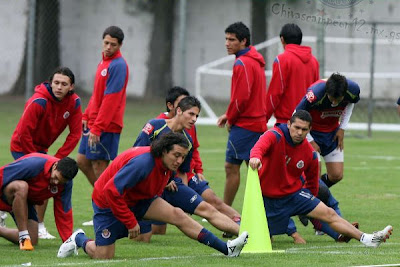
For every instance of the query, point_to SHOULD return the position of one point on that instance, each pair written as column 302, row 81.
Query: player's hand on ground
column 171, row 186
column 93, row 139
column 315, row 146
column 222, row 121
column 255, row 163
column 134, row 232
column 340, row 136
column 200, row 176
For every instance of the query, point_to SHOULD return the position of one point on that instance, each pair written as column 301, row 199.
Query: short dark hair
column 166, row 142
column 291, row 33
column 67, row 167
column 114, row 32
column 301, row 114
column 336, row 85
column 64, row 71
column 173, row 94
column 240, row 30
column 189, row 102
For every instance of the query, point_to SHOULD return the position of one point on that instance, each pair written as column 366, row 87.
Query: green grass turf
column 368, row 194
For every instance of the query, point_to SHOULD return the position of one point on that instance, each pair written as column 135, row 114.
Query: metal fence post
column 371, row 80
column 30, row 49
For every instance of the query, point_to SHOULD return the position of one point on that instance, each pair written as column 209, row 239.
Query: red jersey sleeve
column 63, row 212
column 276, row 88
column 263, row 144
column 312, row 174
column 242, row 81
column 75, row 129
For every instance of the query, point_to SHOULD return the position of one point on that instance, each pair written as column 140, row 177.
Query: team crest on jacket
column 54, row 189
column 105, row 233
column 300, row 164
column 66, row 115
column 104, row 72
column 148, row 128
column 310, row 96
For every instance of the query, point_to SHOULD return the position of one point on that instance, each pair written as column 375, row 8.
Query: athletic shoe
column 344, row 238
column 317, row 232
column 235, row 246
column 25, row 244
column 3, row 216
column 303, row 219
column 379, row 237
column 88, row 223
column 69, row 246
column 44, row 234
column 227, row 235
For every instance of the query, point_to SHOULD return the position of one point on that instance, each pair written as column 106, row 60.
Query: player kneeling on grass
column 282, row 156
column 128, row 191
column 29, row 181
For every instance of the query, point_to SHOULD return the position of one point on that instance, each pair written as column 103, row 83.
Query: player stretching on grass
column 196, row 179
column 177, row 192
column 28, row 181
column 128, row 191
column 282, row 157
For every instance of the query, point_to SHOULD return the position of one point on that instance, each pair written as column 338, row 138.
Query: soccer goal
column 213, row 80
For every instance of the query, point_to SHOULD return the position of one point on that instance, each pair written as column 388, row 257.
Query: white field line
column 383, row 265
column 336, row 250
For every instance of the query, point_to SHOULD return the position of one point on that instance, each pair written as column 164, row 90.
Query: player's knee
column 205, row 210
column 159, row 229
column 330, row 214
column 178, row 216
column 20, row 189
column 336, row 176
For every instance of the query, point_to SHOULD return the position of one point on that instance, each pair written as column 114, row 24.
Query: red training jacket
column 133, row 175
column 247, row 107
column 283, row 163
column 293, row 72
column 105, row 111
column 44, row 119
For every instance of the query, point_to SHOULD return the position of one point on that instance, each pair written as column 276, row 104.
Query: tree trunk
column 159, row 78
column 46, row 50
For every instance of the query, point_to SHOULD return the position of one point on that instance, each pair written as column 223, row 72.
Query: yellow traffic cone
column 254, row 220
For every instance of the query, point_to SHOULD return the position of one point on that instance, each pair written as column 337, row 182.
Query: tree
column 159, row 77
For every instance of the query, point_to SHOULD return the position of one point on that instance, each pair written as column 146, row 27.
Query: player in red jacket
column 293, row 72
column 28, row 181
column 282, row 156
column 245, row 117
column 129, row 190
column 103, row 118
column 52, row 108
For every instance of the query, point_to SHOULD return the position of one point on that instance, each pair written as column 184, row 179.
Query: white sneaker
column 317, row 232
column 44, row 234
column 379, row 237
column 3, row 216
column 88, row 223
column 69, row 246
column 235, row 246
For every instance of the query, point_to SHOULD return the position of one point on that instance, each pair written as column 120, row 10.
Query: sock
column 41, row 226
column 366, row 238
column 324, row 227
column 81, row 240
column 325, row 178
column 24, row 235
column 209, row 239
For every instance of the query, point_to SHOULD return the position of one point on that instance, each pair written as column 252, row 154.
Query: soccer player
column 128, row 191
column 282, row 157
column 28, row 181
column 103, row 118
column 196, row 179
column 177, row 192
column 245, row 116
column 52, row 108
column 328, row 101
column 293, row 72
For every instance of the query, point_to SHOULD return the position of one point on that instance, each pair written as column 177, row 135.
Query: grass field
column 368, row 194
